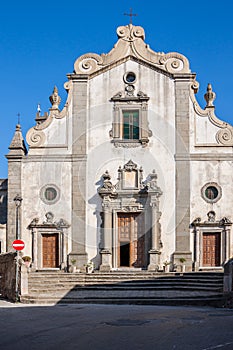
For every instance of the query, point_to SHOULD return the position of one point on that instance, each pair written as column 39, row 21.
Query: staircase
column 195, row 288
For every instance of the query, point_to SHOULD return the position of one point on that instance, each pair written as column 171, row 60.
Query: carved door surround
column 49, row 235
column 211, row 241
column 130, row 196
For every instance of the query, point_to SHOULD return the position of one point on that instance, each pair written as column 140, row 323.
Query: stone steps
column 125, row 287
column 215, row 300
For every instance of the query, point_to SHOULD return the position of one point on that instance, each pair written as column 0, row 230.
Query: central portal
column 131, row 240
column 50, row 250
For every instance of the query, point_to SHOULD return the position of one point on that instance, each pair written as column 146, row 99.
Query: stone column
column 154, row 252
column 106, row 253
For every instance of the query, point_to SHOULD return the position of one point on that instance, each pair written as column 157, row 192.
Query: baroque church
column 131, row 174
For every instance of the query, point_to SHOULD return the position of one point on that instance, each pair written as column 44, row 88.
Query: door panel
column 50, row 250
column 211, row 249
column 131, row 232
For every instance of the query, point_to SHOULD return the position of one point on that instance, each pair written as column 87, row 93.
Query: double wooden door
column 211, row 249
column 131, row 240
column 50, row 250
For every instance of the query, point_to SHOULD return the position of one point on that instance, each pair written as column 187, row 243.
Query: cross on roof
column 131, row 14
column 18, row 115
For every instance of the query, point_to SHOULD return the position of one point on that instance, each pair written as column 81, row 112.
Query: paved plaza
column 99, row 327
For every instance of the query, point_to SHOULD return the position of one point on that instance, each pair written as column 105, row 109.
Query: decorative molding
column 49, row 218
column 126, row 96
column 35, row 138
column 127, row 144
column 211, row 222
column 107, row 189
column 131, row 43
column 49, row 223
column 129, row 166
column 224, row 137
column 204, row 156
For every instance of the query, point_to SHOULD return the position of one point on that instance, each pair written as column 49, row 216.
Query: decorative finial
column 38, row 108
column 106, row 175
column 55, row 99
column 209, row 96
column 131, row 14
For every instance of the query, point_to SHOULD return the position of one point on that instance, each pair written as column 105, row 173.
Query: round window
column 211, row 192
column 50, row 194
column 130, row 78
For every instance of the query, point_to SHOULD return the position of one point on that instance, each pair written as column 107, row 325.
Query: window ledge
column 130, row 143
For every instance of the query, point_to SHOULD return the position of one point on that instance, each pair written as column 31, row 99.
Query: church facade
column 131, row 174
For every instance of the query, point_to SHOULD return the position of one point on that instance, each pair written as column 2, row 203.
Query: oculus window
column 50, row 194
column 211, row 192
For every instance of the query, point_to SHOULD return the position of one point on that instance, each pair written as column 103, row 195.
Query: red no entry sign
column 18, row 244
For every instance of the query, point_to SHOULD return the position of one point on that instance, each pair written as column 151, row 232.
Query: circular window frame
column 129, row 82
column 44, row 199
column 211, row 184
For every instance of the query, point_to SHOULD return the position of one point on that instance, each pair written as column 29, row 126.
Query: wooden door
column 211, row 249
column 131, row 238
column 50, row 250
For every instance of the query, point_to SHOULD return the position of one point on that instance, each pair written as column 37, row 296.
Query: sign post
column 18, row 245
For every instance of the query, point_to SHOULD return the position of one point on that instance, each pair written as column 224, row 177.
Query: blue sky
column 39, row 42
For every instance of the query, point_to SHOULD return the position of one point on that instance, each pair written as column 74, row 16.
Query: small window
column 211, row 192
column 50, row 194
column 130, row 125
column 130, row 78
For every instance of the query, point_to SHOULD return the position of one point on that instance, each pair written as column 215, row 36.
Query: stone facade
column 126, row 174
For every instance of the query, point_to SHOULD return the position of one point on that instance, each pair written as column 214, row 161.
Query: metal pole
column 17, row 278
column 17, row 222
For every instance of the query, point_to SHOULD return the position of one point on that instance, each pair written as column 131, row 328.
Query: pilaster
column 106, row 253
column 182, row 103
column 79, row 172
column 154, row 252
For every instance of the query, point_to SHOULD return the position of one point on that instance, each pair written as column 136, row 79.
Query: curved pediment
column 131, row 43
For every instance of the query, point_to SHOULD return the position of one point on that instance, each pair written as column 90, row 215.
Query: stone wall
column 3, row 201
column 7, row 273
